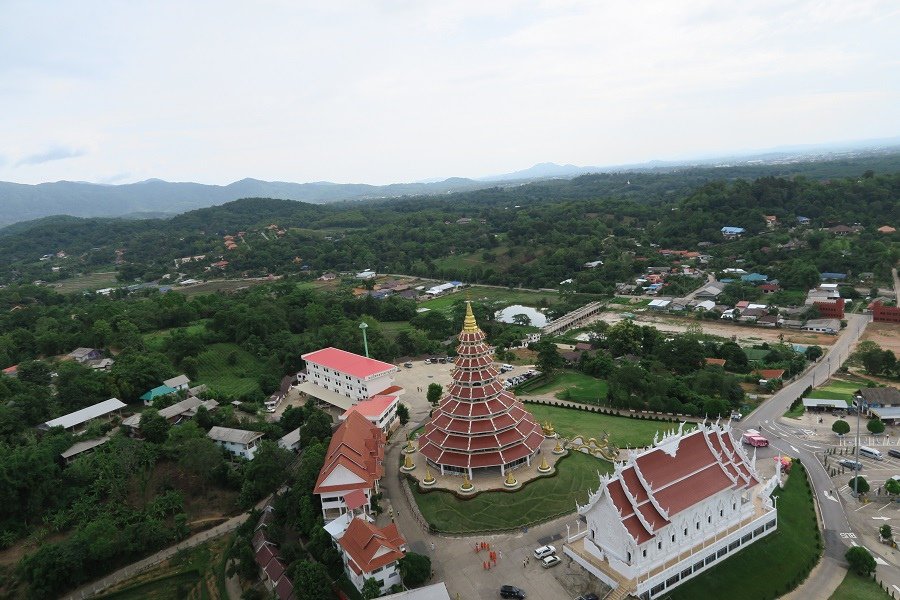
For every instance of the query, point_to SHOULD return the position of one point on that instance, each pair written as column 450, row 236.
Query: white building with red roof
column 368, row 551
column 353, row 466
column 380, row 410
column 673, row 511
column 343, row 378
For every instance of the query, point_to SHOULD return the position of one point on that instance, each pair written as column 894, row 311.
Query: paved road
column 787, row 440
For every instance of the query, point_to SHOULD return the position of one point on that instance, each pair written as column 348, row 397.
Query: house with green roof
column 163, row 390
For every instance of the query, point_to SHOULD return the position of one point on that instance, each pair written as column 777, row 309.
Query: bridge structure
column 573, row 319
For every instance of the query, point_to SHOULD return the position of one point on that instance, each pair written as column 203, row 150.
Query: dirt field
column 745, row 334
column 886, row 335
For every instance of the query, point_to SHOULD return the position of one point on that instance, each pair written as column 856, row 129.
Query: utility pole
column 856, row 467
column 363, row 326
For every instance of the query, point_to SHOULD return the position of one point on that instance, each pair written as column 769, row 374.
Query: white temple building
column 672, row 511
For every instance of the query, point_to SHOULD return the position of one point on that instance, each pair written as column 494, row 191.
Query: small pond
column 538, row 319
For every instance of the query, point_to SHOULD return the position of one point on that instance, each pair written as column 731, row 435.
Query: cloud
column 50, row 154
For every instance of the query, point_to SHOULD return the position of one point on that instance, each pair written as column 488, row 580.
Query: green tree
column 892, row 486
column 841, row 427
column 34, row 371
column 154, row 428
column 415, row 569
column 200, row 456
column 813, row 353
column 861, row 560
column 548, row 357
column 317, row 425
column 371, row 589
column 859, row 484
column 265, row 472
column 434, row 393
column 311, row 581
column 875, row 426
column 886, row 531
column 624, row 338
column 402, row 413
column 190, row 367
column 521, row 319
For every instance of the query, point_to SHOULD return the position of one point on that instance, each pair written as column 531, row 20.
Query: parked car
column 894, row 452
column 427, row 361
column 550, row 561
column 408, row 365
column 511, row 591
column 544, row 551
column 850, row 464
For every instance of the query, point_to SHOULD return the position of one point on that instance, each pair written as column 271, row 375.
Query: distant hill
column 158, row 198
column 154, row 197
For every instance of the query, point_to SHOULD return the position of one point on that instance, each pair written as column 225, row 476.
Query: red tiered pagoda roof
column 478, row 424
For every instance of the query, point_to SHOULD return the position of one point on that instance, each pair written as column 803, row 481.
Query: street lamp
column 856, row 466
column 363, row 326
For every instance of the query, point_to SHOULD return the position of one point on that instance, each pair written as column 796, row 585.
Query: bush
column 861, row 560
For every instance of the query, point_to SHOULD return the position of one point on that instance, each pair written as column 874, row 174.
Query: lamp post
column 856, row 466
column 363, row 326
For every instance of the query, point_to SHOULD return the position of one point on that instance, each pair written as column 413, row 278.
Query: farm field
column 485, row 294
column 541, row 499
column 793, row 547
column 221, row 285
column 91, row 281
column 836, row 390
column 569, row 422
column 570, row 385
column 886, row 335
column 154, row 340
column 235, row 379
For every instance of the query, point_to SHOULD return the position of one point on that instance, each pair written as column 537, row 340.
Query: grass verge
column 495, row 511
column 785, row 557
column 572, row 386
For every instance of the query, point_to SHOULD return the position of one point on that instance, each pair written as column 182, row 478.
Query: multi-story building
column 239, row 442
column 381, row 411
column 673, row 511
column 370, row 552
column 346, row 374
column 353, row 466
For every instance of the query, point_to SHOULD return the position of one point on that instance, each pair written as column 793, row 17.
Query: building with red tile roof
column 372, row 552
column 353, row 463
column 674, row 510
column 478, row 426
column 381, row 410
column 347, row 375
column 768, row 374
column 719, row 362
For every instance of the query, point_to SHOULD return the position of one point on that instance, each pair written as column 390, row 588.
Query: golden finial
column 510, row 480
column 469, row 325
column 428, row 475
column 558, row 449
column 544, row 466
column 408, row 462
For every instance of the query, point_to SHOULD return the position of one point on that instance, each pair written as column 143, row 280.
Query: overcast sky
column 381, row 92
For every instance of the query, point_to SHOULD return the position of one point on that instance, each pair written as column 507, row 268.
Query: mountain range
column 156, row 198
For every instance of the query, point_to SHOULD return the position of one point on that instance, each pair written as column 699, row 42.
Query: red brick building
column 885, row 314
column 831, row 310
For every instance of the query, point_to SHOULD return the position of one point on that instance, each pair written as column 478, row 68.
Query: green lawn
column 233, row 380
column 91, row 281
column 540, row 499
column 796, row 413
column 483, row 294
column 623, row 431
column 857, row 587
column 570, row 385
column 783, row 556
column 755, row 354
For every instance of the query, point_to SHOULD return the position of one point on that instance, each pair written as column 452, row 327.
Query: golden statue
column 544, row 466
column 558, row 449
column 408, row 462
column 510, row 480
column 428, row 476
column 467, row 485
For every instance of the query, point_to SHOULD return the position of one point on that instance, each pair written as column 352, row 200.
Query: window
column 698, row 566
column 629, row 557
column 673, row 537
column 659, row 545
column 746, row 538
column 770, row 524
column 672, row 580
column 734, row 506
column 698, row 525
column 685, row 531
column 722, row 552
column 710, row 559
column 722, row 513
column 709, row 519
column 657, row 589
column 735, row 544
column 686, row 573
column 645, row 553
column 758, row 530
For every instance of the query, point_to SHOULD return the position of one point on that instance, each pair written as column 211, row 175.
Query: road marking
column 880, row 560
column 848, row 535
column 881, row 518
column 812, row 446
column 843, row 488
column 896, row 588
column 830, row 497
column 793, row 448
column 854, row 543
column 883, row 507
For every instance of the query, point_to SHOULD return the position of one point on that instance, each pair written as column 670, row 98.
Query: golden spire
column 510, row 480
column 544, row 466
column 428, row 475
column 408, row 462
column 558, row 447
column 469, row 325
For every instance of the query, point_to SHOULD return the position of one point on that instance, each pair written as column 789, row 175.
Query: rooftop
column 235, row 436
column 369, row 547
column 373, row 408
column 436, row 591
column 176, row 381
column 85, row 414
column 356, row 449
column 348, row 362
column 80, row 447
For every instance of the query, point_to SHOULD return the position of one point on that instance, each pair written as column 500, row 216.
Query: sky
column 406, row 90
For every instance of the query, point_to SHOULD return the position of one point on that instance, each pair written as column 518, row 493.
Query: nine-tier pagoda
column 479, row 426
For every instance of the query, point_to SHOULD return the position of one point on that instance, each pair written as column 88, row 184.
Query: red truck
column 753, row 438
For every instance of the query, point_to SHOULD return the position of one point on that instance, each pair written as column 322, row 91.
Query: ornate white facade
column 673, row 511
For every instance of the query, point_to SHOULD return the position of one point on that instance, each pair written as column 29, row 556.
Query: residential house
column 353, row 463
column 239, row 442
column 754, row 278
column 709, row 292
column 380, row 410
column 162, row 390
column 822, row 325
column 705, row 305
column 767, row 321
column 842, row 230
column 83, row 355
column 12, row 371
column 181, row 382
column 771, row 221
column 593, row 264
column 327, row 277
column 367, row 274
column 435, row 591
column 673, row 511
column 660, row 304
column 291, row 440
column 833, row 276
column 886, row 229
column 826, row 292
column 732, row 233
column 176, row 413
column 803, row 220
column 78, row 421
column 715, row 362
column 370, row 552
column 101, row 364
column 770, row 288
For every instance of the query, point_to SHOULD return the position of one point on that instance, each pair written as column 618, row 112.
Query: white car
column 550, row 561
column 544, row 551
